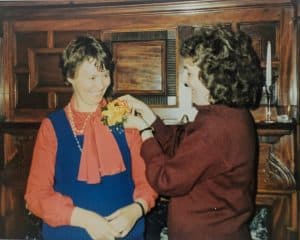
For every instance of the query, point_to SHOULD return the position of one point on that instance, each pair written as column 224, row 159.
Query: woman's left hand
column 124, row 218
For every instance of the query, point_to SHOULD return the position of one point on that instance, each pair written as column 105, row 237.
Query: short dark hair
column 229, row 66
column 86, row 48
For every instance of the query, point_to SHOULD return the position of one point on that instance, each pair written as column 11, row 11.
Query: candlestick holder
column 269, row 96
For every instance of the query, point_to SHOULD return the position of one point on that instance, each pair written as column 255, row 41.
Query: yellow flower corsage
column 114, row 113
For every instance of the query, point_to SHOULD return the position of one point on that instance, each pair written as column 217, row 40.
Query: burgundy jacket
column 208, row 170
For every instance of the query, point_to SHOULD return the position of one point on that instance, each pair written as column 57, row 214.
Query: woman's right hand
column 140, row 107
column 96, row 226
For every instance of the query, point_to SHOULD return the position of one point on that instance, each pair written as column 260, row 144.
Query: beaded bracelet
column 146, row 129
column 142, row 208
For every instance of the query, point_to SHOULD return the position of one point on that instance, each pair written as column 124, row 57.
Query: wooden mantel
column 33, row 9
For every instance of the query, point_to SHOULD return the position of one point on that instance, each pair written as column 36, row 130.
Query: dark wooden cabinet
column 277, row 177
column 34, row 34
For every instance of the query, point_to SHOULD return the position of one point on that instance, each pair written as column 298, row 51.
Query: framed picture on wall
column 140, row 67
column 145, row 65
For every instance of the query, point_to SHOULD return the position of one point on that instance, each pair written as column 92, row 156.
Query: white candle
column 269, row 66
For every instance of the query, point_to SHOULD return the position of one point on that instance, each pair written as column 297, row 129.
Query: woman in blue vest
column 87, row 179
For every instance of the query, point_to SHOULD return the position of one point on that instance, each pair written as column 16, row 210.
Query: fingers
column 104, row 235
column 125, row 232
column 113, row 215
column 126, row 98
column 107, row 233
column 96, row 226
column 104, row 230
column 135, row 112
column 122, row 224
column 131, row 101
column 111, row 231
column 119, row 222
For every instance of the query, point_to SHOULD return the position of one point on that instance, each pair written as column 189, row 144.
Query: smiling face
column 89, row 84
column 200, row 94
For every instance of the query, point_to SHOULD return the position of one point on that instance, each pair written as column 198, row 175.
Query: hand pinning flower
column 114, row 113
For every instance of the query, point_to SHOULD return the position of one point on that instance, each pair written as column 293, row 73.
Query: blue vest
column 112, row 193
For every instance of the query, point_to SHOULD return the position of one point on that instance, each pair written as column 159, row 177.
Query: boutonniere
column 115, row 112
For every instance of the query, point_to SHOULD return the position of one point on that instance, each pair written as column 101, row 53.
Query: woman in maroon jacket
column 210, row 176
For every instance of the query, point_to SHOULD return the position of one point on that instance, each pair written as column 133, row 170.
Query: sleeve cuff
column 149, row 199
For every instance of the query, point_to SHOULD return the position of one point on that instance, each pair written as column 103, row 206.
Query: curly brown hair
column 229, row 66
column 86, row 48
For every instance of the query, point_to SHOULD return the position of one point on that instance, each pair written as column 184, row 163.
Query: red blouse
column 55, row 208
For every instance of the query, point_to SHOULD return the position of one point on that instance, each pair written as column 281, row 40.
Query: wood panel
column 44, row 70
column 63, row 29
column 117, row 21
column 13, row 222
column 127, row 7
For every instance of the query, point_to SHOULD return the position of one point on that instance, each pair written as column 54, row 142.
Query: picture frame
column 140, row 67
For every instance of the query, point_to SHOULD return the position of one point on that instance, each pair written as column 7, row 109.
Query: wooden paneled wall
column 52, row 28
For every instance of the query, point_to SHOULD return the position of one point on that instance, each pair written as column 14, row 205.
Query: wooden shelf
column 6, row 127
column 276, row 125
column 272, row 132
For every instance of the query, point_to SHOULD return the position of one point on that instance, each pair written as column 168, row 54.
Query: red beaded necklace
column 73, row 127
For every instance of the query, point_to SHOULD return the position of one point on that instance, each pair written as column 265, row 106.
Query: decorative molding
column 277, row 172
column 203, row 4
column 44, row 71
column 63, row 9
